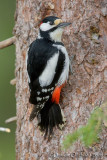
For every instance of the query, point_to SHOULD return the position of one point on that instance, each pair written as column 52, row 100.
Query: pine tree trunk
column 86, row 40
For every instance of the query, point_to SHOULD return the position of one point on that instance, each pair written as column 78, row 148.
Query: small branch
column 7, row 42
column 5, row 129
column 11, row 119
column 13, row 81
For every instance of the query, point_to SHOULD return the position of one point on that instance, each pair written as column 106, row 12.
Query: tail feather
column 48, row 117
column 51, row 116
column 51, row 121
column 58, row 115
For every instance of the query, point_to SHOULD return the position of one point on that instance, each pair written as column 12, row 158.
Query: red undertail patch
column 56, row 94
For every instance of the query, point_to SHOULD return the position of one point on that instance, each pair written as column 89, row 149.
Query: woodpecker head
column 51, row 28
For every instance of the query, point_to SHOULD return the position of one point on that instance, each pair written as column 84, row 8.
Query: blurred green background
column 7, row 91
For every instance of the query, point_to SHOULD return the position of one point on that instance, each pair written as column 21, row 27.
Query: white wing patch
column 47, row 75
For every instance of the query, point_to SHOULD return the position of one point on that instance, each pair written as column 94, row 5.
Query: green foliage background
column 88, row 134
column 7, row 92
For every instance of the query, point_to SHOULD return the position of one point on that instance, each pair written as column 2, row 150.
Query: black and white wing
column 44, row 66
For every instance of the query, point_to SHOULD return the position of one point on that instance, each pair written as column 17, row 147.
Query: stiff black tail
column 49, row 117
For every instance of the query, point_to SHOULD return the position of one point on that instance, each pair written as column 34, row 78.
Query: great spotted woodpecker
column 47, row 68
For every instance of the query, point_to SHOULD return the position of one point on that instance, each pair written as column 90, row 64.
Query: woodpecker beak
column 63, row 24
column 59, row 23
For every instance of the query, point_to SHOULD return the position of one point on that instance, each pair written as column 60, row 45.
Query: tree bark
column 86, row 40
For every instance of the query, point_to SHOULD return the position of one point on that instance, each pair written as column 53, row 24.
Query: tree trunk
column 86, row 40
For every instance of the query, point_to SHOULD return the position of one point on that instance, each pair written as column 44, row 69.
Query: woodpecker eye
column 51, row 23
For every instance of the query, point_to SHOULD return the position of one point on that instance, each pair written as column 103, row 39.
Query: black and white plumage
column 47, row 68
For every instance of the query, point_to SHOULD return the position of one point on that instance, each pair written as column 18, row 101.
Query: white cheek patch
column 47, row 75
column 46, row 26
